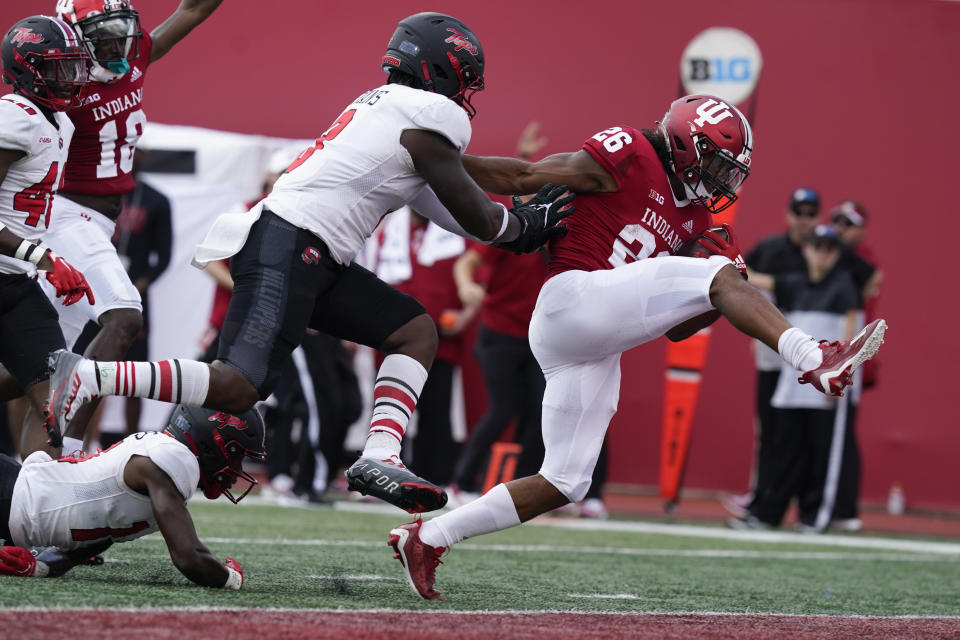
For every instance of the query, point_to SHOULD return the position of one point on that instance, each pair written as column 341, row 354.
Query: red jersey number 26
column 339, row 125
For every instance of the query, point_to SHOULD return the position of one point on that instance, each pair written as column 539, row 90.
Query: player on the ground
column 652, row 191
column 76, row 507
column 108, row 125
column 291, row 256
column 48, row 69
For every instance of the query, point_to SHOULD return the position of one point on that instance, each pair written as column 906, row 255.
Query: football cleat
column 841, row 359
column 419, row 559
column 392, row 482
column 68, row 392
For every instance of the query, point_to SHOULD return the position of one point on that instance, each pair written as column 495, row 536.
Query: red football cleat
column 841, row 359
column 419, row 559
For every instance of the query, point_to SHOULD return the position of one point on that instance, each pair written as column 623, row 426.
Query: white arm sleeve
column 429, row 206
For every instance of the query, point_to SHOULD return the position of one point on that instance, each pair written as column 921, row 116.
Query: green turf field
column 324, row 557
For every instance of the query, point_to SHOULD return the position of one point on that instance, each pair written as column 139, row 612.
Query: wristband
column 503, row 225
column 234, row 578
column 31, row 252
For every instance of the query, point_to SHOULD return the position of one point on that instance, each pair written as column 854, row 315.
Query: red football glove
column 68, row 282
column 713, row 244
column 234, row 568
column 17, row 561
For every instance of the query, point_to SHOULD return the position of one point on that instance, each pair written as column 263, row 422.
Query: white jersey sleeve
column 446, row 118
column 184, row 470
column 27, row 190
column 16, row 126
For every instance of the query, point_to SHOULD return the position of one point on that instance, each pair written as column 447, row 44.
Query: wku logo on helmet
column 226, row 419
column 25, row 34
column 460, row 41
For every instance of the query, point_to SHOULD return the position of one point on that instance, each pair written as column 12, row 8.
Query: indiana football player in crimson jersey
column 292, row 255
column 48, row 69
column 75, row 507
column 108, row 123
column 614, row 282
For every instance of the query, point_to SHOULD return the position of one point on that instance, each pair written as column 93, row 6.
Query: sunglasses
column 841, row 221
column 805, row 214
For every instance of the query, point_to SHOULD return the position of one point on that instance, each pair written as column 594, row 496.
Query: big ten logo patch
column 723, row 62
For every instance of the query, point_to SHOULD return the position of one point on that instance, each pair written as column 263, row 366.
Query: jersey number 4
column 37, row 199
column 328, row 135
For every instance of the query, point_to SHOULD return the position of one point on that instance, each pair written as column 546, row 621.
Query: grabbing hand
column 539, row 217
column 68, row 282
column 712, row 243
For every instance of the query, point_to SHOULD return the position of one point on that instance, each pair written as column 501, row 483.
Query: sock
column 177, row 381
column 799, row 349
column 70, row 445
column 399, row 383
column 493, row 511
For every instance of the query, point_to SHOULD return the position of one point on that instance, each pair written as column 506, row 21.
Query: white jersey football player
column 47, row 68
column 291, row 256
column 76, row 507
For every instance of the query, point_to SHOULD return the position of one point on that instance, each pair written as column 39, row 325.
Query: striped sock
column 177, row 381
column 399, row 383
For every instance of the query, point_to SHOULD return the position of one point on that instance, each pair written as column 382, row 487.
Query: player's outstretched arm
column 578, row 170
column 438, row 161
column 189, row 555
column 188, row 15
column 689, row 327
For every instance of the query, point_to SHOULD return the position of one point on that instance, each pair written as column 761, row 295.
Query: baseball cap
column 824, row 234
column 852, row 211
column 803, row 195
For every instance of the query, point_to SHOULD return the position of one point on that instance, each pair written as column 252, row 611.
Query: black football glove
column 539, row 217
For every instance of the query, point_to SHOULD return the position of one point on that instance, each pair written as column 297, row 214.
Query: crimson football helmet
column 110, row 29
column 710, row 144
column 220, row 441
column 441, row 52
column 45, row 63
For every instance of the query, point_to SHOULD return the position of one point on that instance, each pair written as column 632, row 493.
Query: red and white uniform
column 73, row 502
column 603, row 296
column 26, row 195
column 356, row 173
column 108, row 126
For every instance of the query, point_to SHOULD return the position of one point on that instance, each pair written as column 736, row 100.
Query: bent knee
column 124, row 323
column 230, row 390
column 574, row 489
column 417, row 338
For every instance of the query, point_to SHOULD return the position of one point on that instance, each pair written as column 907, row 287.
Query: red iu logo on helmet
column 310, row 255
column 24, row 34
column 227, row 419
column 461, row 41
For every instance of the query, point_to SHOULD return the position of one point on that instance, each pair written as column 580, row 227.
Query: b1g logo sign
column 723, row 62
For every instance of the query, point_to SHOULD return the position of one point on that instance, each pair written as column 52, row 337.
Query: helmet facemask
column 470, row 84
column 60, row 78
column 112, row 38
column 221, row 469
column 713, row 181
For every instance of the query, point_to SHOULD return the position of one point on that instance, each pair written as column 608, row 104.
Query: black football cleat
column 392, row 482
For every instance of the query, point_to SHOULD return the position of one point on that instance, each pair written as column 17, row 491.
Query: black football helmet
column 441, row 52
column 220, row 441
column 45, row 62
